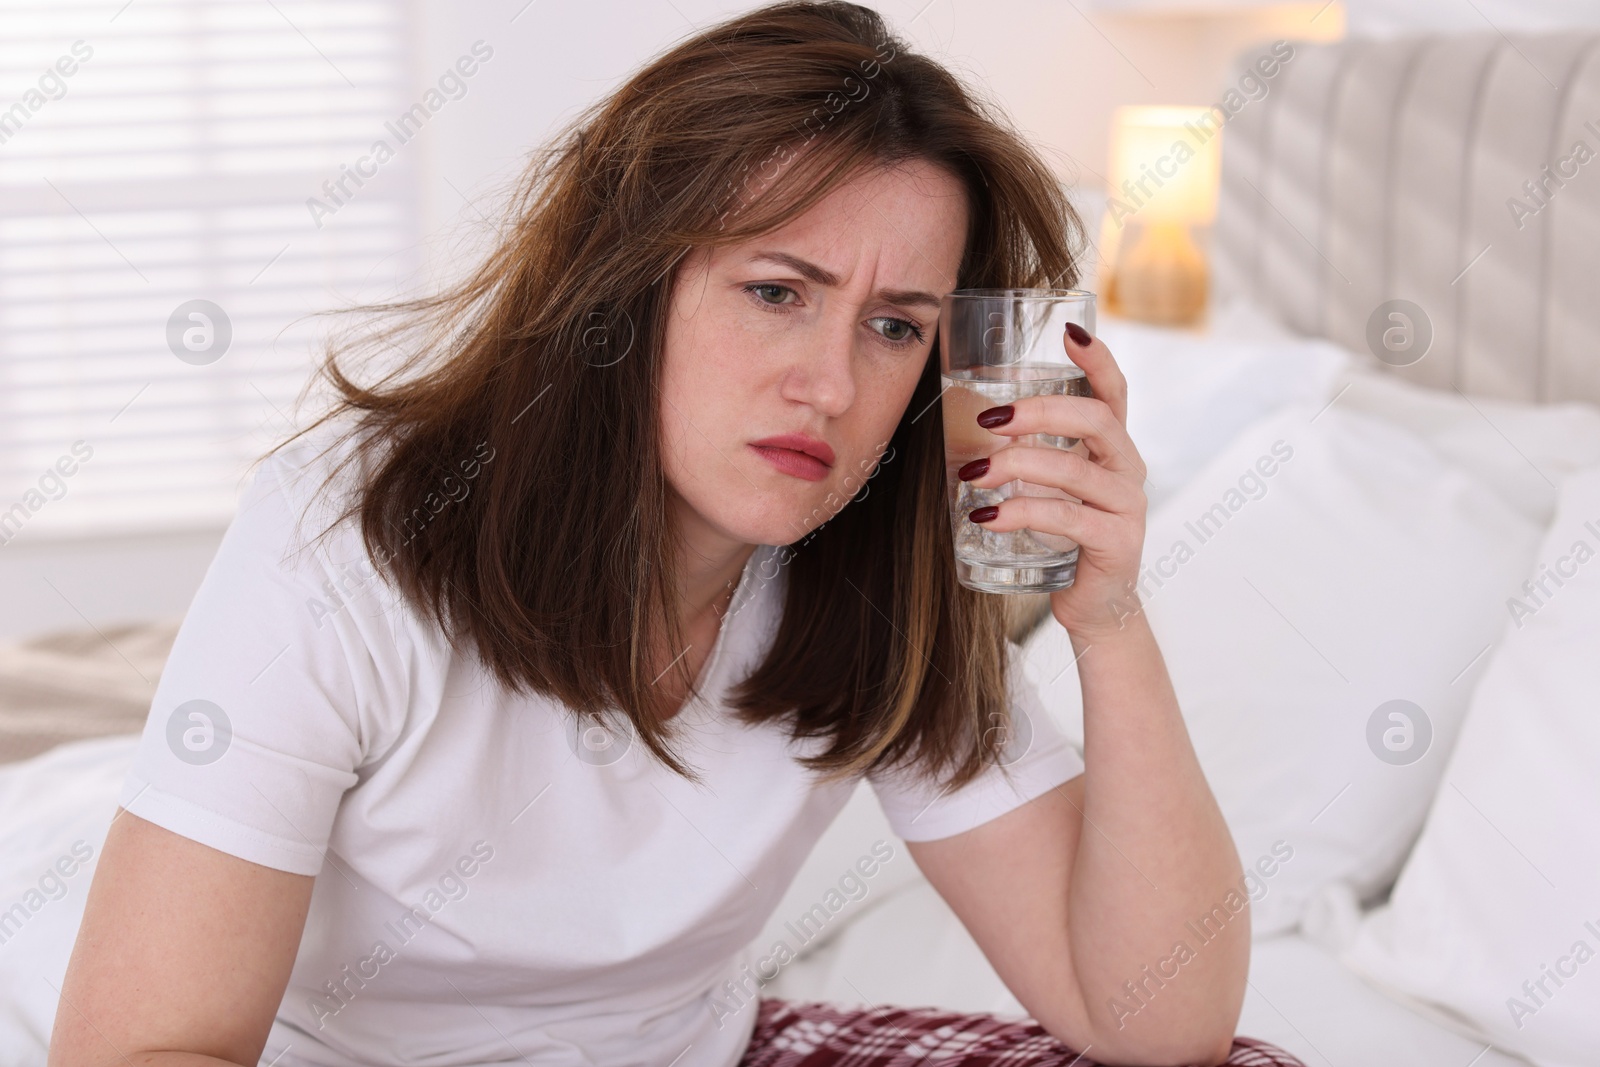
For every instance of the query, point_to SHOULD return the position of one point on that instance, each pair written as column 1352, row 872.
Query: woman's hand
column 1103, row 470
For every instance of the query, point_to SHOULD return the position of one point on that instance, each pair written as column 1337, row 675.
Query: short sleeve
column 276, row 689
column 1038, row 758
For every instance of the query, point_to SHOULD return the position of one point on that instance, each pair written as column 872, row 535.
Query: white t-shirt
column 491, row 888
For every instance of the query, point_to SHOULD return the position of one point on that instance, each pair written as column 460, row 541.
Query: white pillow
column 1190, row 394
column 1503, row 887
column 1520, row 450
column 1352, row 567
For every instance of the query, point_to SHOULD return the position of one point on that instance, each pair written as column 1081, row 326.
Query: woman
column 619, row 594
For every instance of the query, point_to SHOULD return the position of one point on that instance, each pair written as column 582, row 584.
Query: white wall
column 74, row 583
column 1058, row 73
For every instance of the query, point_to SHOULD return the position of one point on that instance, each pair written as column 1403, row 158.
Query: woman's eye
column 768, row 293
column 897, row 330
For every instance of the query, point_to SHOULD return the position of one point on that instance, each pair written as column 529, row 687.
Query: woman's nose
column 823, row 374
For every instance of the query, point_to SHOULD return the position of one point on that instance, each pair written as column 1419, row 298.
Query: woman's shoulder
column 297, row 536
column 313, row 479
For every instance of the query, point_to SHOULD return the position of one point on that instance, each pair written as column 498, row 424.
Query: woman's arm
column 183, row 955
column 1114, row 907
column 1093, row 900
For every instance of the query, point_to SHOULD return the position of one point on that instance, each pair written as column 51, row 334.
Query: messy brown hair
column 559, row 568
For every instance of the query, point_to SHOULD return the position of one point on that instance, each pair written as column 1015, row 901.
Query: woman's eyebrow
column 822, row 276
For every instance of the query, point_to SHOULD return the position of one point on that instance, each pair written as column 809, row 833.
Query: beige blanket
column 74, row 684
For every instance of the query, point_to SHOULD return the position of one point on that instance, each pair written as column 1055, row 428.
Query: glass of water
column 997, row 346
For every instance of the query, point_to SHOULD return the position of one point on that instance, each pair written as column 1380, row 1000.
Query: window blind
column 159, row 252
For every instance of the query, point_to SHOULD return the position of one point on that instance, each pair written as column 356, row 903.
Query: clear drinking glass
column 997, row 346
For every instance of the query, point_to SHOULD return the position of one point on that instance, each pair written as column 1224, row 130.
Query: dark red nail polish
column 995, row 416
column 976, row 469
column 1079, row 335
column 983, row 514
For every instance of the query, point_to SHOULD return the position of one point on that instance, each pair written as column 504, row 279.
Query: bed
column 1371, row 171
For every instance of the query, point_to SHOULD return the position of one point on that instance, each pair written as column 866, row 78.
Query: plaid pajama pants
column 817, row 1034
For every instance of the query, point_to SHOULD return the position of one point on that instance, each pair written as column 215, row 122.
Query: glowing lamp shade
column 1165, row 166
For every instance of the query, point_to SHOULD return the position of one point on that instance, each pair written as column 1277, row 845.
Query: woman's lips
column 789, row 461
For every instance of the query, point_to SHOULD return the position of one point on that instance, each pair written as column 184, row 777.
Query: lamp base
column 1160, row 278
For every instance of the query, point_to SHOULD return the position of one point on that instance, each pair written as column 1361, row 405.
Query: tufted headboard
column 1380, row 170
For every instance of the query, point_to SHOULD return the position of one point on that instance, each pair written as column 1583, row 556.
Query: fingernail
column 983, row 514
column 1079, row 335
column 976, row 469
column 995, row 416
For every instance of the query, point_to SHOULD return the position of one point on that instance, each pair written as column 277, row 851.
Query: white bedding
column 47, row 805
column 910, row 949
column 900, row 944
column 1304, row 1000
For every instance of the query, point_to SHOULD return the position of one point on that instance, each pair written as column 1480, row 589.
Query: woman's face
column 818, row 329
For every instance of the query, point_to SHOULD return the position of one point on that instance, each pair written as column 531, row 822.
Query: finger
column 1071, row 471
column 1106, row 379
column 1051, row 515
column 1089, row 418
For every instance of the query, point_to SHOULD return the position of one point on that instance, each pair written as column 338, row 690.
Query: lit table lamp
column 1165, row 163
